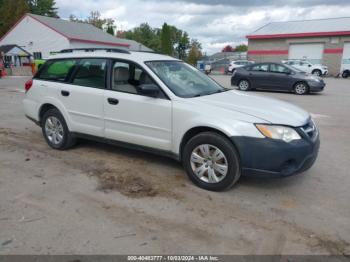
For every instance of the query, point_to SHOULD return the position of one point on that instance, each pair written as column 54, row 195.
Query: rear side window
column 91, row 73
column 57, row 70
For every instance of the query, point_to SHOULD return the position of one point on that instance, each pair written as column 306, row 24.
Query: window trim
column 110, row 79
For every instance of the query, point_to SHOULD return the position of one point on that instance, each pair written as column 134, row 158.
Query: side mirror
column 151, row 90
column 309, row 65
column 288, row 72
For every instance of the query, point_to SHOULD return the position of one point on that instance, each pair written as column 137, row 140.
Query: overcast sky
column 215, row 23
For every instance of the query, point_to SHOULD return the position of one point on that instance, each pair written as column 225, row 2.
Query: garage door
column 346, row 54
column 310, row 52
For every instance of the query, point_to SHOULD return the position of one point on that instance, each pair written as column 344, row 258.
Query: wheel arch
column 44, row 108
column 53, row 103
column 201, row 129
column 316, row 69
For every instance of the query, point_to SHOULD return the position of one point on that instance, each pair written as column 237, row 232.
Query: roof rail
column 151, row 52
column 112, row 50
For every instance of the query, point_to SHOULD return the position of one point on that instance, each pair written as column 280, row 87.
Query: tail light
column 28, row 85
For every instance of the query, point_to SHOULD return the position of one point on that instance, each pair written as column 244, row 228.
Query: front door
column 132, row 117
column 279, row 77
column 259, row 75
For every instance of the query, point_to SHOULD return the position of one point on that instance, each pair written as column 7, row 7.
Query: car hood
column 267, row 109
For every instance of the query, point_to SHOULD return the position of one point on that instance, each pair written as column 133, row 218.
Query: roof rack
column 112, row 50
column 151, row 52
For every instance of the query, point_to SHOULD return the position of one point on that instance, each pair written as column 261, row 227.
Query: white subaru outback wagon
column 160, row 104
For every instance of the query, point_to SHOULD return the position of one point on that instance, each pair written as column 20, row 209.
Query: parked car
column 276, row 76
column 207, row 69
column 236, row 64
column 307, row 67
column 345, row 70
column 159, row 104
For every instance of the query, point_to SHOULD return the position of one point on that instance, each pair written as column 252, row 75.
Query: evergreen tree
column 165, row 40
column 8, row 19
column 110, row 26
column 183, row 45
column 43, row 7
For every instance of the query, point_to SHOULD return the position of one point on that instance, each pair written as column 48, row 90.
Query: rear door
column 132, row 117
column 83, row 96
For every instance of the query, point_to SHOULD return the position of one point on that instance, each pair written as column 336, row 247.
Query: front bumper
column 268, row 157
column 316, row 86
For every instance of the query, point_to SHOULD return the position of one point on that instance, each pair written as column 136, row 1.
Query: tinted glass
column 260, row 68
column 91, row 73
column 57, row 70
column 278, row 69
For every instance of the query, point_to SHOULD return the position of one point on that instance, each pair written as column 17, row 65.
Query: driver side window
column 261, row 68
column 127, row 77
column 274, row 68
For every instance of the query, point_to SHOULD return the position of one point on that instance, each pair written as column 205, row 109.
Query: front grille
column 310, row 130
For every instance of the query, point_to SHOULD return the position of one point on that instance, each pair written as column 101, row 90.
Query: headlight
column 284, row 133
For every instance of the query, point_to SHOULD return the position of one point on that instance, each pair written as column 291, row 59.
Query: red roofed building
column 41, row 35
column 322, row 41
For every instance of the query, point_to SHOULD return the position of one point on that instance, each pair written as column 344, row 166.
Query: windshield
column 184, row 80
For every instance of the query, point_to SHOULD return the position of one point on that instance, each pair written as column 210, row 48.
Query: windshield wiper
column 218, row 91
column 215, row 92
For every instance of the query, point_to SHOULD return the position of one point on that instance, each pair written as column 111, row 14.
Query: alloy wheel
column 54, row 130
column 243, row 85
column 300, row 89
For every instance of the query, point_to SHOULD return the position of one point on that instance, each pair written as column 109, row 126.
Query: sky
column 215, row 23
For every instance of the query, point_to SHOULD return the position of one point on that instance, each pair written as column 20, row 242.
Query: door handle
column 113, row 101
column 64, row 93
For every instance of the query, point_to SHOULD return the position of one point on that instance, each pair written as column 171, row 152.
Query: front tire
column 211, row 161
column 345, row 74
column 317, row 72
column 301, row 88
column 55, row 130
column 244, row 85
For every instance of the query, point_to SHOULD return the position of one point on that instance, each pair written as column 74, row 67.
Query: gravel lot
column 100, row 199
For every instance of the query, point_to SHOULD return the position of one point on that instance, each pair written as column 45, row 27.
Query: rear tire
column 345, row 74
column 211, row 161
column 244, row 85
column 301, row 88
column 55, row 130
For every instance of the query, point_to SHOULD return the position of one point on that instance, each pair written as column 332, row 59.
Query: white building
column 41, row 35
